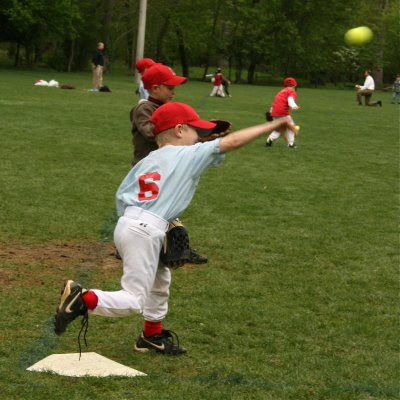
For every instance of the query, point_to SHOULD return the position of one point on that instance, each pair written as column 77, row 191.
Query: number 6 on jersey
column 148, row 189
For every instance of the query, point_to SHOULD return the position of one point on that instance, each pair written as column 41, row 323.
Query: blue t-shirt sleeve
column 203, row 156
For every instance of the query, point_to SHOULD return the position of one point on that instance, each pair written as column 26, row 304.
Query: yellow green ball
column 358, row 36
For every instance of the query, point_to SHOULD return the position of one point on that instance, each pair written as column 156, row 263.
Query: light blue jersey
column 143, row 93
column 165, row 181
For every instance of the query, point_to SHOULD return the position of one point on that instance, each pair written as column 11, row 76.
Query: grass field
column 299, row 298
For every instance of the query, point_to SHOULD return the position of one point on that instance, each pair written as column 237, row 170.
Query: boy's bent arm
column 246, row 135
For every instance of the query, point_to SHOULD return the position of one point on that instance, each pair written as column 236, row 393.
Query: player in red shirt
column 218, row 89
column 283, row 101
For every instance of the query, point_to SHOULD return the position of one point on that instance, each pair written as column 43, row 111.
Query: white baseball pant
column 138, row 237
column 288, row 134
column 218, row 90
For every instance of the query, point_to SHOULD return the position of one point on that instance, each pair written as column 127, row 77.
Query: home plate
column 90, row 364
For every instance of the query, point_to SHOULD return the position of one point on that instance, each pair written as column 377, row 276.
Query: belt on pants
column 146, row 216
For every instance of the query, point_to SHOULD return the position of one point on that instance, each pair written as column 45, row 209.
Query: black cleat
column 292, row 146
column 162, row 343
column 71, row 306
column 196, row 258
column 379, row 103
column 269, row 143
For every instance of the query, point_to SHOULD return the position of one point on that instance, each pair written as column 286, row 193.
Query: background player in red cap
column 155, row 192
column 141, row 66
column 284, row 100
column 160, row 82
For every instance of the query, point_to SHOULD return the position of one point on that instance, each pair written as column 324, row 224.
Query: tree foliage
column 245, row 37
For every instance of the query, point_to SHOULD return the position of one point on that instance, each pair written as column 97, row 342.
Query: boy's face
column 162, row 92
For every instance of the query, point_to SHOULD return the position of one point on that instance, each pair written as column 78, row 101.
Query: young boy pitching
column 283, row 101
column 156, row 191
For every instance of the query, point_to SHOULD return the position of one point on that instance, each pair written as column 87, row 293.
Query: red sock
column 152, row 328
column 90, row 298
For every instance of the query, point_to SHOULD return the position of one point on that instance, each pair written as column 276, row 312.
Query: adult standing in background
column 366, row 90
column 98, row 66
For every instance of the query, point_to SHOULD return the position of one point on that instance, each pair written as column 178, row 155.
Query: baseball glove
column 268, row 116
column 221, row 129
column 175, row 251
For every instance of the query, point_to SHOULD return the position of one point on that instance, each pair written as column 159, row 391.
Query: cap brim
column 203, row 128
column 175, row 81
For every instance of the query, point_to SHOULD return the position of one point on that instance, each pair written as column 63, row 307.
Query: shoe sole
column 146, row 350
column 142, row 349
column 64, row 294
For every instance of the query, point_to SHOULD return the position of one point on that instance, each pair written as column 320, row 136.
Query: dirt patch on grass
column 61, row 253
column 55, row 255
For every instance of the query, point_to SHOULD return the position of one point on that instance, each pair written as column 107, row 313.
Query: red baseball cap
column 143, row 64
column 160, row 74
column 169, row 115
column 289, row 82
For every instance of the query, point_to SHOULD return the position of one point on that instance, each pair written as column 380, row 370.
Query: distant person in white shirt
column 366, row 90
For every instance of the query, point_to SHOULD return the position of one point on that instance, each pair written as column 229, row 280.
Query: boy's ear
column 178, row 130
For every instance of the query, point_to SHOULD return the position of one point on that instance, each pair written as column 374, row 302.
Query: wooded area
column 279, row 37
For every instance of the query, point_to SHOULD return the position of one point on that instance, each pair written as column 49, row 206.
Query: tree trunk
column 107, row 22
column 71, row 55
column 28, row 55
column 211, row 39
column 17, row 56
column 239, row 66
column 37, row 57
column 182, row 52
column 161, row 40
column 230, row 68
column 133, row 51
column 378, row 71
column 129, row 47
column 250, row 72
